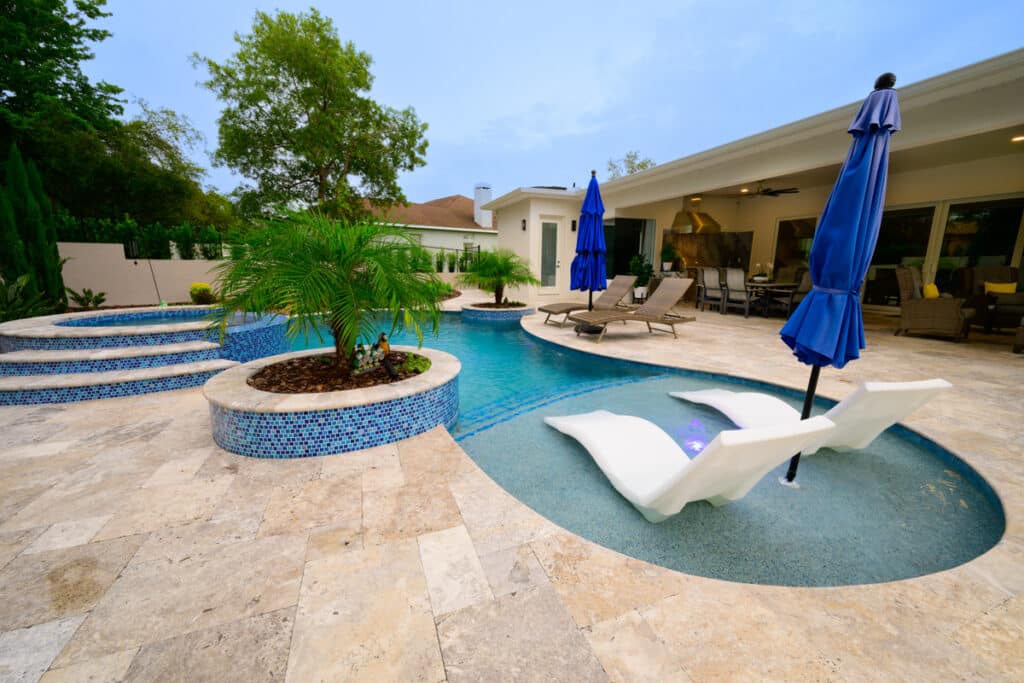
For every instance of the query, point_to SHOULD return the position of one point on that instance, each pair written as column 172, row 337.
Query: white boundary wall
column 131, row 282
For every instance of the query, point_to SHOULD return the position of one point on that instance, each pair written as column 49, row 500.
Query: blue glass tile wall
column 338, row 430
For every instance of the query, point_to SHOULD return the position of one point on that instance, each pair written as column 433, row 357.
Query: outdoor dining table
column 763, row 291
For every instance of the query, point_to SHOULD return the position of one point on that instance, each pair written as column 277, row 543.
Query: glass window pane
column 548, row 253
column 902, row 241
column 793, row 248
column 977, row 234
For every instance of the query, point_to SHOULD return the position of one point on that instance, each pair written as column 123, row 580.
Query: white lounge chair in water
column 653, row 473
column 859, row 418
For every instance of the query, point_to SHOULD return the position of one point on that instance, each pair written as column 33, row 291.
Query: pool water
column 898, row 509
column 143, row 319
column 504, row 369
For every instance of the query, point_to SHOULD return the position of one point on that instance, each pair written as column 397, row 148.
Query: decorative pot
column 666, row 266
column 639, row 293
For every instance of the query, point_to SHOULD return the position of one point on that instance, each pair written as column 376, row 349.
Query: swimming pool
column 901, row 508
column 169, row 317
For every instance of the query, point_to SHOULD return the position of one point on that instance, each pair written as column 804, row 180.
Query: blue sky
column 538, row 93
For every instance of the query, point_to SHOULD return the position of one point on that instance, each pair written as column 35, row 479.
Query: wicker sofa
column 945, row 316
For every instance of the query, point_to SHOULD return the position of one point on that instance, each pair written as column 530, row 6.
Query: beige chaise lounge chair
column 608, row 300
column 654, row 312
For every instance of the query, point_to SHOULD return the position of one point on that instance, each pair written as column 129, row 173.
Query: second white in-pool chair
column 653, row 473
column 860, row 417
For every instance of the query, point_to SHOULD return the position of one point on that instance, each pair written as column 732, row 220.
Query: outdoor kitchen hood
column 695, row 222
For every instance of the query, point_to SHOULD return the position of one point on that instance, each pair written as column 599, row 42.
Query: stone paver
column 133, row 548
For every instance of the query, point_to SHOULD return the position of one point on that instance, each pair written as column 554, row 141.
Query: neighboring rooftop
column 454, row 211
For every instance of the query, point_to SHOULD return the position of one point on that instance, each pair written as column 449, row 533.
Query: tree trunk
column 343, row 358
column 499, row 290
column 321, row 191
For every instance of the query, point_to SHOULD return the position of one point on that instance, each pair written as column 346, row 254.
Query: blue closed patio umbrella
column 588, row 269
column 827, row 327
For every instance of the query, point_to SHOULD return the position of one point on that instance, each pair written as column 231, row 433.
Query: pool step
column 52, row 362
column 484, row 417
column 87, row 386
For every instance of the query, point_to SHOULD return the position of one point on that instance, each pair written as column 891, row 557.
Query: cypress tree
column 13, row 263
column 34, row 225
column 51, row 279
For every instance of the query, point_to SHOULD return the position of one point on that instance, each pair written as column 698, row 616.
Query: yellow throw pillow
column 1000, row 287
column 931, row 291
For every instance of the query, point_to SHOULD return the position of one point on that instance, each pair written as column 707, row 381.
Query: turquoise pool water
column 898, row 509
column 144, row 319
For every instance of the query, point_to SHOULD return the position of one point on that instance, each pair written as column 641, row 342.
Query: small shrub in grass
column 201, row 293
column 439, row 261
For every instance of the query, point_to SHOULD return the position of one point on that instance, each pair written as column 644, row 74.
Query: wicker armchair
column 944, row 316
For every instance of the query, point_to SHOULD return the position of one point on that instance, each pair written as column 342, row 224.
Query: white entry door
column 549, row 259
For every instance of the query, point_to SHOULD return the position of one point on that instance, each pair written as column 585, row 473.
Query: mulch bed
column 506, row 304
column 316, row 374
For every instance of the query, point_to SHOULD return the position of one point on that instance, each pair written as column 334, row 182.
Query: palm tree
column 321, row 271
column 495, row 270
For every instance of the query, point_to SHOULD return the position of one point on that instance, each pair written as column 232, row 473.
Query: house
column 453, row 224
column 955, row 193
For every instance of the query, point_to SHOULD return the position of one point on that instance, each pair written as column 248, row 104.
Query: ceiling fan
column 763, row 191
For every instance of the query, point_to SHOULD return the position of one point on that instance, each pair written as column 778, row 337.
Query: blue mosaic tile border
column 23, row 397
column 19, row 343
column 108, row 364
column 338, row 430
column 495, row 315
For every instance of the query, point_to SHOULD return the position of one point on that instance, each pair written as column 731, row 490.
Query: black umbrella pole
column 590, row 300
column 812, row 386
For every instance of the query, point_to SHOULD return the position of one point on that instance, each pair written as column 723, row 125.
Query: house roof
column 979, row 98
column 454, row 211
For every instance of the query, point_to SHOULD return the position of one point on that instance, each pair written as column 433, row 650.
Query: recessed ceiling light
column 744, row 190
column 696, row 199
column 1017, row 138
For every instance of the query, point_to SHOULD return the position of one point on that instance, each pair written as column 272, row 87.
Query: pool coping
column 230, row 389
column 49, row 326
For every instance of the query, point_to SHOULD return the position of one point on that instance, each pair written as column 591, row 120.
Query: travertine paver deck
column 131, row 547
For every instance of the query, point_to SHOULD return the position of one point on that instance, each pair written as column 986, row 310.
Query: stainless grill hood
column 696, row 222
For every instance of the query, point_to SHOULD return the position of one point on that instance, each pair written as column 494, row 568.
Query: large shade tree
column 351, row 277
column 299, row 122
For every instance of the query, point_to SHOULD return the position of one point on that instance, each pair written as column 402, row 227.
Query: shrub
column 210, row 243
column 184, row 237
column 452, row 258
column 495, row 270
column 154, row 242
column 442, row 290
column 86, row 298
column 16, row 303
column 414, row 363
column 201, row 293
column 439, row 261
column 642, row 269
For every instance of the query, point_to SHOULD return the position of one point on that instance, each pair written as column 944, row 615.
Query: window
column 793, row 248
column 977, row 234
column 902, row 241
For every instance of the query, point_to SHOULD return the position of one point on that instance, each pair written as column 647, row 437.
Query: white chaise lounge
column 653, row 473
column 859, row 418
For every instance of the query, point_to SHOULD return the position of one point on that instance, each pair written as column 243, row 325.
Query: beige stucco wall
column 129, row 282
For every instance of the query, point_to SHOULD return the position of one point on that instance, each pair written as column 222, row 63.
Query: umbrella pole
column 812, row 386
column 590, row 300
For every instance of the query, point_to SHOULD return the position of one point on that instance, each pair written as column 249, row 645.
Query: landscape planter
column 497, row 315
column 261, row 424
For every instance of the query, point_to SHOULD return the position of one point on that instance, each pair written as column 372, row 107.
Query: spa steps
column 87, row 386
